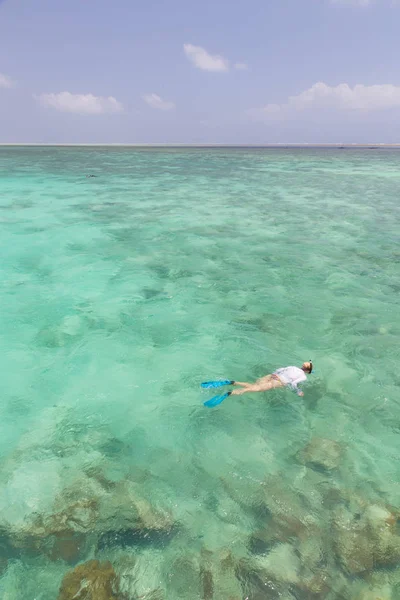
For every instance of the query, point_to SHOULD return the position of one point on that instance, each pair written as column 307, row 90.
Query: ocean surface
column 129, row 276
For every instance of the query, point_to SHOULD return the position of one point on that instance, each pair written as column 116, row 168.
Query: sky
column 234, row 72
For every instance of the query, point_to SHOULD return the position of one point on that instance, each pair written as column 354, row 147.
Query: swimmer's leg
column 262, row 385
column 245, row 390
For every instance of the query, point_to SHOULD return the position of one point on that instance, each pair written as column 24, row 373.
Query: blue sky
column 260, row 71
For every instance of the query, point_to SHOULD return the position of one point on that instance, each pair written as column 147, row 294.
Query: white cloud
column 241, row 66
column 5, row 81
column 156, row 102
column 340, row 97
column 205, row 61
column 80, row 103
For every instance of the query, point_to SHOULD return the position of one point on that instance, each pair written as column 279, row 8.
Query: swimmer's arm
column 294, row 386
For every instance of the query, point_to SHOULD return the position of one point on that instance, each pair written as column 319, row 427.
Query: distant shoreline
column 370, row 146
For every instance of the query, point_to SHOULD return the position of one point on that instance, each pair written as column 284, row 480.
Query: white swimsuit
column 291, row 376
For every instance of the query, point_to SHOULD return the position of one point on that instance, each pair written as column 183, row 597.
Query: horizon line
column 207, row 145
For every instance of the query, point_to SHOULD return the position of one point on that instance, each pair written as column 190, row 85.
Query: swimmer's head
column 307, row 367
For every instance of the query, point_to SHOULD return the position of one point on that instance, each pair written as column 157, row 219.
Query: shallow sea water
column 120, row 293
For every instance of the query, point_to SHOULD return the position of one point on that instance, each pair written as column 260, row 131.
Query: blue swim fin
column 215, row 384
column 216, row 400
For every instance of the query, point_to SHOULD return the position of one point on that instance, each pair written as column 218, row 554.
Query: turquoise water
column 120, row 293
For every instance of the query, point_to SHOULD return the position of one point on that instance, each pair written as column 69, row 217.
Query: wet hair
column 310, row 366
